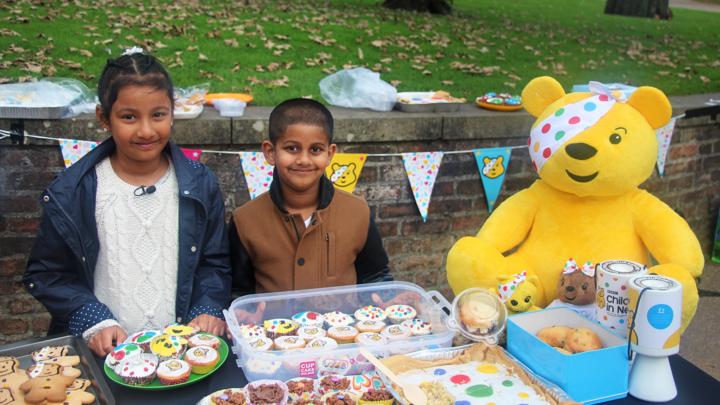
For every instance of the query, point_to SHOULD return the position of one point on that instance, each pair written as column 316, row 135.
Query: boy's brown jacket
column 272, row 251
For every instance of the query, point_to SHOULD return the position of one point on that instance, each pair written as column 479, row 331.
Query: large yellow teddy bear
column 591, row 151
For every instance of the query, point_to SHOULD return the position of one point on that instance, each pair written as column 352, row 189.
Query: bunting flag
column 422, row 169
column 664, row 136
column 192, row 154
column 73, row 150
column 258, row 172
column 344, row 170
column 492, row 164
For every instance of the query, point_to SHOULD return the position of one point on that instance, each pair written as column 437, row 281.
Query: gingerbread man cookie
column 46, row 388
column 43, row 369
column 9, row 397
column 76, row 394
column 11, row 377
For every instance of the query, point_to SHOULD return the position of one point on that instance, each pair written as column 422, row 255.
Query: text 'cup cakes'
column 400, row 313
column 370, row 313
column 274, row 328
column 202, row 359
column 168, row 347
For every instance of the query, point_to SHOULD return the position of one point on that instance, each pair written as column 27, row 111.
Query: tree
column 429, row 6
column 639, row 8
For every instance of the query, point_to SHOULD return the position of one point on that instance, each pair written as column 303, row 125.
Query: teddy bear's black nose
column 569, row 288
column 580, row 151
column 513, row 302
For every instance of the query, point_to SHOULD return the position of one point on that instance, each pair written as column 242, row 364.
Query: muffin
column 267, row 392
column 376, row 397
column 337, row 318
column 309, row 318
column 333, row 383
column 274, row 328
column 138, row 370
column 289, row 343
column 143, row 338
column 261, row 344
column 204, row 339
column 183, row 331
column 168, row 347
column 171, row 372
column 300, row 388
column 230, row 396
column 342, row 334
column 400, row 313
column 202, row 359
column 371, row 339
column 418, row 327
column 396, row 332
column 321, row 343
column 370, row 313
column 311, row 332
column 370, row 326
column 249, row 331
column 120, row 352
column 340, row 398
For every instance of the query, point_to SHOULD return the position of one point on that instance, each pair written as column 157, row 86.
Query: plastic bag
column 59, row 94
column 358, row 88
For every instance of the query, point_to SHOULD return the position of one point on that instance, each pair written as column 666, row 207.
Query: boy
column 303, row 233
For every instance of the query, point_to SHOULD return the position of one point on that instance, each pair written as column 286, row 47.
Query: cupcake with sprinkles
column 172, row 372
column 337, row 318
column 168, row 347
column 274, row 328
column 400, row 313
column 396, row 332
column 143, row 338
column 249, row 331
column 309, row 318
column 121, row 352
column 418, row 327
column 370, row 326
column 342, row 334
column 261, row 344
column 311, row 332
column 138, row 370
column 204, row 339
column 370, row 313
column 183, row 331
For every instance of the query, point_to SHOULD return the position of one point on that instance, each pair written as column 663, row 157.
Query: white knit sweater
column 136, row 271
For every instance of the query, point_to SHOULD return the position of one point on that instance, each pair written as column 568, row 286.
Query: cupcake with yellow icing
column 274, row 328
column 183, row 331
column 168, row 347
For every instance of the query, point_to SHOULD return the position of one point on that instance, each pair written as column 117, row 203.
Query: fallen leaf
column 202, row 57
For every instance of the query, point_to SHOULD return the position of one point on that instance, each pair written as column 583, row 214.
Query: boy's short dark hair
column 299, row 111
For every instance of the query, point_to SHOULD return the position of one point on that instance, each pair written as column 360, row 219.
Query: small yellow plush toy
column 591, row 151
column 517, row 293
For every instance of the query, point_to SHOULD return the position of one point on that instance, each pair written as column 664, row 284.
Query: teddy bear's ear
column 652, row 104
column 540, row 93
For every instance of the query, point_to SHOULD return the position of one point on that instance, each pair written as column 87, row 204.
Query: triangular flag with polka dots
column 344, row 170
column 73, row 150
column 192, row 154
column 258, row 172
column 664, row 136
column 422, row 169
column 492, row 164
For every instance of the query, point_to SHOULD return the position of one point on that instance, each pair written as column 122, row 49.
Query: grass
column 277, row 50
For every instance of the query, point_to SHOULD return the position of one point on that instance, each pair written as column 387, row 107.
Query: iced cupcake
column 311, row 332
column 309, row 318
column 396, row 332
column 143, row 338
column 249, row 331
column 370, row 313
column 183, row 331
column 321, row 343
column 138, row 370
column 261, row 344
column 168, row 347
column 171, row 372
column 202, row 359
column 371, row 339
column 274, row 328
column 120, row 353
column 400, row 313
column 342, row 334
column 418, row 327
column 337, row 318
column 289, row 343
column 370, row 326
column 204, row 339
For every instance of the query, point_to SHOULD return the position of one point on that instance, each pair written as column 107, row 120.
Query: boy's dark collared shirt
column 273, row 251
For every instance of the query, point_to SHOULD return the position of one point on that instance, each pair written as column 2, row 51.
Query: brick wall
column 417, row 250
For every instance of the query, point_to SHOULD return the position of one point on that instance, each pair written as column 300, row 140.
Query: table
column 694, row 387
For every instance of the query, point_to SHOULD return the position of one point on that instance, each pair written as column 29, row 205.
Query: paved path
column 695, row 5
column 695, row 344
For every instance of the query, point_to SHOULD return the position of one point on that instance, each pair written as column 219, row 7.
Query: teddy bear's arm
column 666, row 234
column 510, row 223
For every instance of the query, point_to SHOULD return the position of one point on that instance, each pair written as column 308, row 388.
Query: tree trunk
column 640, row 8
column 429, row 6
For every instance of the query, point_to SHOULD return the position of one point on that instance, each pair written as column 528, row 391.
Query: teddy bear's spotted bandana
column 568, row 121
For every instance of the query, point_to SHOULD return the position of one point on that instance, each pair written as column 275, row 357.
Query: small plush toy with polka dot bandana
column 591, row 152
column 518, row 293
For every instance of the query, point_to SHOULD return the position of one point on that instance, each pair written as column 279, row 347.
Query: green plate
column 156, row 385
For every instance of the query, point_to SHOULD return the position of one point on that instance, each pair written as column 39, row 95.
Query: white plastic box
column 345, row 359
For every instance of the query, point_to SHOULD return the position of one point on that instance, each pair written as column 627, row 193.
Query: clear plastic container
column 345, row 359
column 229, row 107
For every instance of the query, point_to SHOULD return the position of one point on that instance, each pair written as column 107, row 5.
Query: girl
column 133, row 235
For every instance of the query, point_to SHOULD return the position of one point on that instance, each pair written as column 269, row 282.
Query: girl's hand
column 250, row 317
column 407, row 298
column 208, row 323
column 106, row 339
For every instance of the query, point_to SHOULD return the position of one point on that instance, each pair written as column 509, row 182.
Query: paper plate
column 237, row 96
column 496, row 107
column 156, row 385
